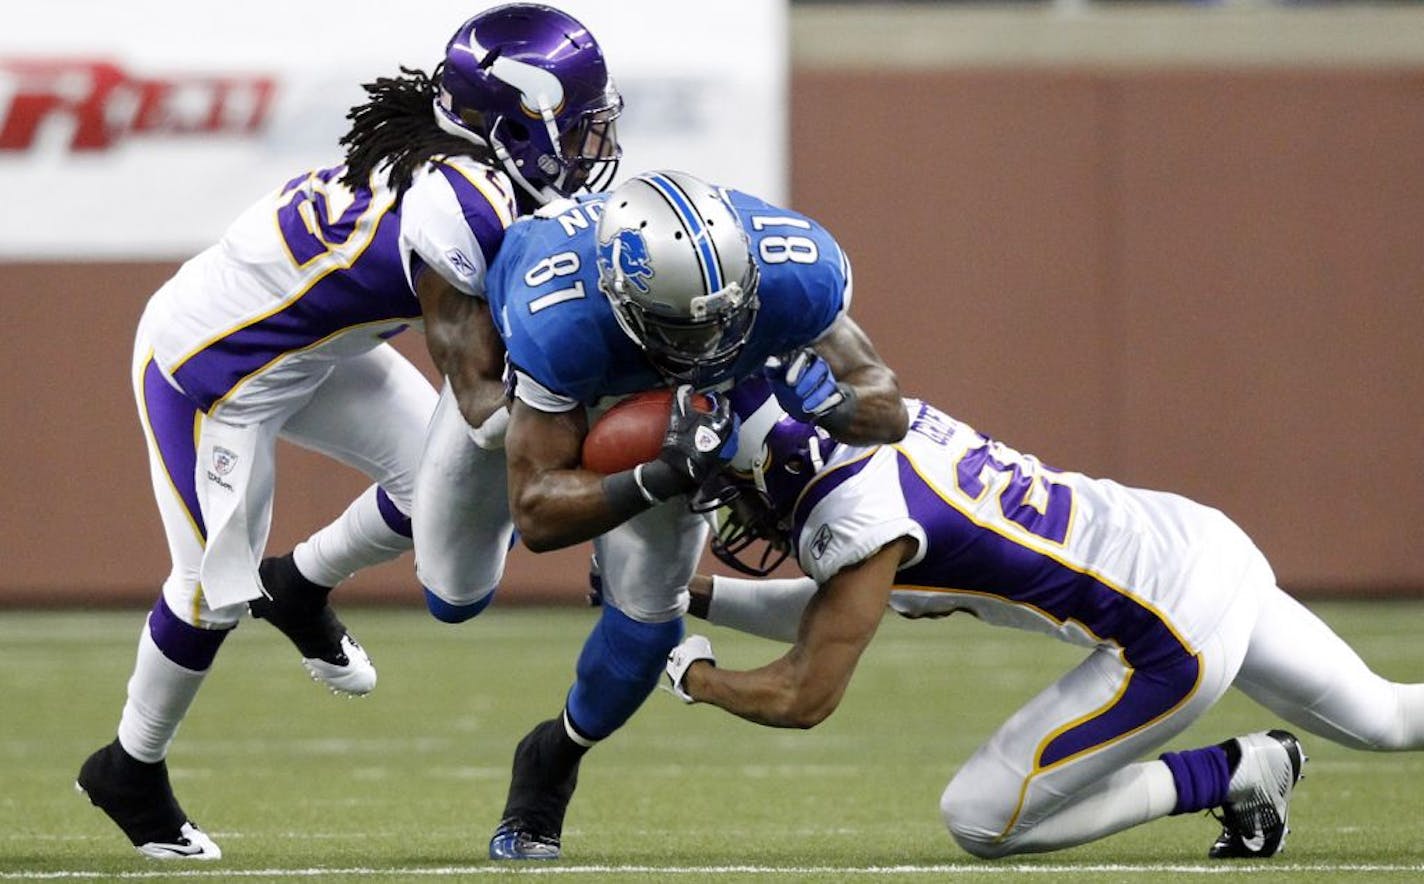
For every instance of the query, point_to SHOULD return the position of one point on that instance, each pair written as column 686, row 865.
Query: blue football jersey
column 561, row 331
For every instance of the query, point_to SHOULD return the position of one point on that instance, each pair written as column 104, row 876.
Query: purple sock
column 188, row 646
column 1201, row 775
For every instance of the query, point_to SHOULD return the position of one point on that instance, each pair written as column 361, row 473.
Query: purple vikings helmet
column 676, row 265
column 753, row 499
column 545, row 104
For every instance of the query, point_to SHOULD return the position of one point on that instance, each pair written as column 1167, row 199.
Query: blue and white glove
column 692, row 649
column 804, row 385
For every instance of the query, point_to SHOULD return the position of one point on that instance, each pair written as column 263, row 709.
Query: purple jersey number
column 1040, row 506
column 304, row 216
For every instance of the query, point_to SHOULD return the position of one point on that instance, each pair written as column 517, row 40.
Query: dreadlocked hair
column 397, row 127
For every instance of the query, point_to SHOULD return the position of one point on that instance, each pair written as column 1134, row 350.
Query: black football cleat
column 299, row 610
column 136, row 795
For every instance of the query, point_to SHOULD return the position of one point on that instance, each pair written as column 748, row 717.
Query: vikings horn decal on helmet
column 677, row 267
column 755, row 497
column 530, row 82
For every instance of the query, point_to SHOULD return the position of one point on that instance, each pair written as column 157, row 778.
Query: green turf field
column 406, row 784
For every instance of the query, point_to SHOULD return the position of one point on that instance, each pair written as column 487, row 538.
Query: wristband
column 623, row 494
column 646, row 485
column 838, row 419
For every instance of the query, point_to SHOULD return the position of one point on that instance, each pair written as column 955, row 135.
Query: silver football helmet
column 676, row 265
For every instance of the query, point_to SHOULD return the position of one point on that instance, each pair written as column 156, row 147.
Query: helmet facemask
column 747, row 534
column 752, row 500
column 696, row 348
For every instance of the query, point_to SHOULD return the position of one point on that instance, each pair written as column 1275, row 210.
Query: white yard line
column 840, row 871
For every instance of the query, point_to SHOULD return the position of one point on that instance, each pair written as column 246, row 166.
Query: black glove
column 695, row 445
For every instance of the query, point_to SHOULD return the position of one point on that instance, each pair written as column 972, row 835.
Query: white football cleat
column 352, row 675
column 299, row 610
column 1254, row 815
column 191, row 843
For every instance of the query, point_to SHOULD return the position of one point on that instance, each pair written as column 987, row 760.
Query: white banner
column 139, row 129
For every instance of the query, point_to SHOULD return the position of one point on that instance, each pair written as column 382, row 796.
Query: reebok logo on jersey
column 821, row 541
column 461, row 262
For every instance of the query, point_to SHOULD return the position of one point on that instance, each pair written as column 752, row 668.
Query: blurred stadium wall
column 1179, row 246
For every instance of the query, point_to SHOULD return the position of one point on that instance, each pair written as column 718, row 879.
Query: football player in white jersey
column 1173, row 599
column 281, row 330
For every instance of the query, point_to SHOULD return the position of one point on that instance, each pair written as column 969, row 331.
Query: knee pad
column 619, row 666
column 446, row 612
column 974, row 835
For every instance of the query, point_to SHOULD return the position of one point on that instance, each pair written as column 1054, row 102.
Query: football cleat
column 511, row 841
column 299, row 610
column 544, row 778
column 1255, row 814
column 138, row 798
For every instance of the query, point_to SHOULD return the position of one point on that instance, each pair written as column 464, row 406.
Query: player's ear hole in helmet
column 677, row 267
column 530, row 82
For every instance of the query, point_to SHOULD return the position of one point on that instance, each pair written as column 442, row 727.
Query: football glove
column 692, row 649
column 696, row 444
column 804, row 385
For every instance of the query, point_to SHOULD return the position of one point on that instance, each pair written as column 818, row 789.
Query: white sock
column 768, row 608
column 159, row 694
column 357, row 539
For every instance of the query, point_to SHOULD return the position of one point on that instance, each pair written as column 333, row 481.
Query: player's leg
column 1297, row 667
column 370, row 414
column 128, row 778
column 646, row 564
column 462, row 525
column 1063, row 770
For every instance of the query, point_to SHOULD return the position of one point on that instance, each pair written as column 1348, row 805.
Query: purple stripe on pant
column 1149, row 695
column 171, row 417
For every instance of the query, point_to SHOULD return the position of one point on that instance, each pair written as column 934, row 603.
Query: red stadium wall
column 1204, row 281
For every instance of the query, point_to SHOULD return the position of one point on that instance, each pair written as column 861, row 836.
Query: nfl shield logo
column 224, row 460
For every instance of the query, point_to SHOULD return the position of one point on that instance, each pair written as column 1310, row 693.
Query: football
column 632, row 431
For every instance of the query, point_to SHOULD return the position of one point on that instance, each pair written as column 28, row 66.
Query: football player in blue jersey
column 280, row 331
column 667, row 281
column 1173, row 599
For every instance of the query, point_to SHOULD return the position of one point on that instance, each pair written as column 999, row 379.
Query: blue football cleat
column 511, row 841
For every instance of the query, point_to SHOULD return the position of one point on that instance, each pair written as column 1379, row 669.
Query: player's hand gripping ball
column 632, row 431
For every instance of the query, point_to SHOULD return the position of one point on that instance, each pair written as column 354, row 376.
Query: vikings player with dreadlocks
column 1171, row 599
column 281, row 330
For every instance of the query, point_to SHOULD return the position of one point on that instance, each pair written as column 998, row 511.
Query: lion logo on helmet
column 625, row 257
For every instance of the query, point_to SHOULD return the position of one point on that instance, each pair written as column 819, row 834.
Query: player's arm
column 464, row 345
column 805, row 685
column 841, row 383
column 555, row 503
column 877, row 412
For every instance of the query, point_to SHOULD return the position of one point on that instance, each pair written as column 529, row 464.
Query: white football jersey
column 315, row 272
column 1017, row 543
